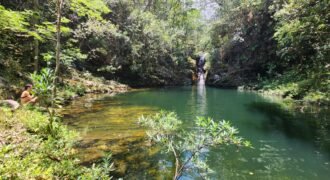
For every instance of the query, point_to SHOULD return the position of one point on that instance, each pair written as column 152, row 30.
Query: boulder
column 10, row 103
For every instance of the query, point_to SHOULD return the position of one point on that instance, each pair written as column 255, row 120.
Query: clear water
column 288, row 144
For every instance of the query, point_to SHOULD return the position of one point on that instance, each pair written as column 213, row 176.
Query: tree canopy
column 154, row 43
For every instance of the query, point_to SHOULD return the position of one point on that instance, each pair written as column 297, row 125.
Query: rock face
column 226, row 79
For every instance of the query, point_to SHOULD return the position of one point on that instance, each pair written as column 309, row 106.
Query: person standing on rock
column 26, row 97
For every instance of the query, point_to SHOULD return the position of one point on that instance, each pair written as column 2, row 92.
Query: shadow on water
column 312, row 127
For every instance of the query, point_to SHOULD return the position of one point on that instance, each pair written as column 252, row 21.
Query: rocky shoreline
column 79, row 84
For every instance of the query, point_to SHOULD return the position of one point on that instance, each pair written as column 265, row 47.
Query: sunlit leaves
column 95, row 28
column 188, row 146
column 43, row 85
column 302, row 30
column 161, row 123
column 13, row 20
column 93, row 9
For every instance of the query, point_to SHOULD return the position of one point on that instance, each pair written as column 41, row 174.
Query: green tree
column 59, row 6
column 303, row 35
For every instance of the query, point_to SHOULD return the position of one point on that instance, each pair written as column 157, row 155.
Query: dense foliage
column 133, row 41
column 276, row 44
column 282, row 45
column 28, row 151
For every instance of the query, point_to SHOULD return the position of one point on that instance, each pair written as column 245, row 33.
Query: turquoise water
column 287, row 144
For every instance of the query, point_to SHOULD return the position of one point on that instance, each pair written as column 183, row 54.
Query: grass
column 28, row 151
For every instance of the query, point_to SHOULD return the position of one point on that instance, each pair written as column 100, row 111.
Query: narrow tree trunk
column 177, row 168
column 36, row 55
column 177, row 174
column 36, row 41
column 59, row 4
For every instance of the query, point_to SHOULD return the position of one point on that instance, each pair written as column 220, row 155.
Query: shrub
column 28, row 151
column 187, row 147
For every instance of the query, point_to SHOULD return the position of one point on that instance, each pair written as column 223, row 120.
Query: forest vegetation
column 67, row 48
column 278, row 45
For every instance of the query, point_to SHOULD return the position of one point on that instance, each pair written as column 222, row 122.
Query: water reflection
column 306, row 126
column 201, row 105
column 287, row 144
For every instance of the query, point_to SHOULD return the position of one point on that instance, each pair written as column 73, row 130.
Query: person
column 26, row 97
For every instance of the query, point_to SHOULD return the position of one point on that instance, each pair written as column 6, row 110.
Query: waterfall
column 201, row 96
column 201, row 90
column 201, row 79
column 200, row 70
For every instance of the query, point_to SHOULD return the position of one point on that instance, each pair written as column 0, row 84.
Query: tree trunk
column 59, row 4
column 36, row 55
column 178, row 173
column 36, row 41
column 177, row 168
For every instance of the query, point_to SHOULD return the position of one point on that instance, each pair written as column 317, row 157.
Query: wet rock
column 241, row 88
column 216, row 78
column 225, row 80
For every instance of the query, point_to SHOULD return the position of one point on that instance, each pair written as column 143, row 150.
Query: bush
column 43, row 85
column 187, row 147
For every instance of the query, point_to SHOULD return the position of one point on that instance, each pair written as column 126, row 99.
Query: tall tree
column 59, row 5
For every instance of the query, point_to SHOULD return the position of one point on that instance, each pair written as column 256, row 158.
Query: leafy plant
column 28, row 152
column 43, row 85
column 187, row 146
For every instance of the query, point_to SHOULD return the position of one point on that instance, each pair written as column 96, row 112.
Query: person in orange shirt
column 26, row 97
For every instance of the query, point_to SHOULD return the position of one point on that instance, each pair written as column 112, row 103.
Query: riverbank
column 30, row 149
column 80, row 83
column 316, row 99
column 303, row 90
column 72, row 85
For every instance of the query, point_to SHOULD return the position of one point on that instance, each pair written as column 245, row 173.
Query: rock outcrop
column 10, row 103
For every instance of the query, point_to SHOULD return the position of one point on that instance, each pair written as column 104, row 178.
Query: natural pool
column 287, row 144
